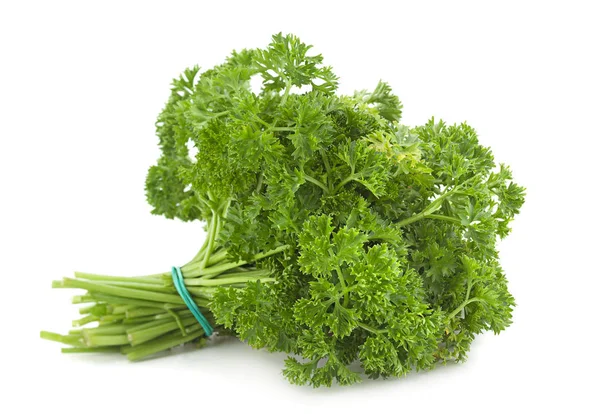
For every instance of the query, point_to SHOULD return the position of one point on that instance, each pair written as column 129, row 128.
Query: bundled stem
column 142, row 315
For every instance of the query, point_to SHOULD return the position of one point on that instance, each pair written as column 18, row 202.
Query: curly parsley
column 335, row 234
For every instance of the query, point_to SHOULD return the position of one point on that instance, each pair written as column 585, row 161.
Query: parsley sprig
column 335, row 234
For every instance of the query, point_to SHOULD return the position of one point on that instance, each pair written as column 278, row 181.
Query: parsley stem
column 325, row 161
column 343, row 283
column 135, row 302
column 200, row 281
column 212, row 233
column 156, row 279
column 229, row 280
column 446, row 218
column 141, row 311
column 370, row 328
column 436, row 204
column 462, row 306
column 344, row 182
column 217, row 256
column 469, row 287
column 163, row 343
column 412, row 219
column 73, row 340
column 259, row 182
column 429, row 210
column 106, row 340
column 144, row 335
column 282, row 129
column 192, row 269
column 259, row 119
column 424, row 214
column 317, row 183
column 142, row 286
column 114, row 349
column 200, row 253
column 122, row 291
column 288, row 87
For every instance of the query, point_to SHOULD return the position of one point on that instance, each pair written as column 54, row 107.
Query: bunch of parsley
column 334, row 233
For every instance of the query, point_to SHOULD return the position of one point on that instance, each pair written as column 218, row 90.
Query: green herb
column 334, row 233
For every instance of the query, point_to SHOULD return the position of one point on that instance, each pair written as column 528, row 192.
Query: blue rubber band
column 189, row 302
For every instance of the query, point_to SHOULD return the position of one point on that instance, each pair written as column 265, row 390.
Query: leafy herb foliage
column 381, row 238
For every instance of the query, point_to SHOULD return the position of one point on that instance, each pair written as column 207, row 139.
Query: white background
column 81, row 84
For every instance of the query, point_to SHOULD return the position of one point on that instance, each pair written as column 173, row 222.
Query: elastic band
column 187, row 298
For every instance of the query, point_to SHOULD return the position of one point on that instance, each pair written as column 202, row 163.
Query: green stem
column 202, row 295
column 73, row 340
column 271, row 252
column 145, row 335
column 445, row 218
column 177, row 318
column 137, row 312
column 93, row 309
column 286, row 92
column 469, row 287
column 155, row 322
column 468, row 294
column 230, row 280
column 342, row 282
column 371, row 329
column 105, row 340
column 121, row 308
column 110, row 349
column 106, row 330
column 82, row 299
column 143, row 315
column 220, row 114
column 316, row 182
column 212, row 232
column 436, row 204
column 138, row 320
column 265, row 124
column 217, row 257
column 251, row 274
column 122, row 291
column 163, row 343
column 259, row 182
column 156, row 279
column 325, row 161
column 128, row 301
column 462, row 305
column 412, row 219
column 431, row 208
column 112, row 318
column 87, row 319
column 142, row 286
column 283, row 129
column 344, row 182
column 193, row 270
column 200, row 253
